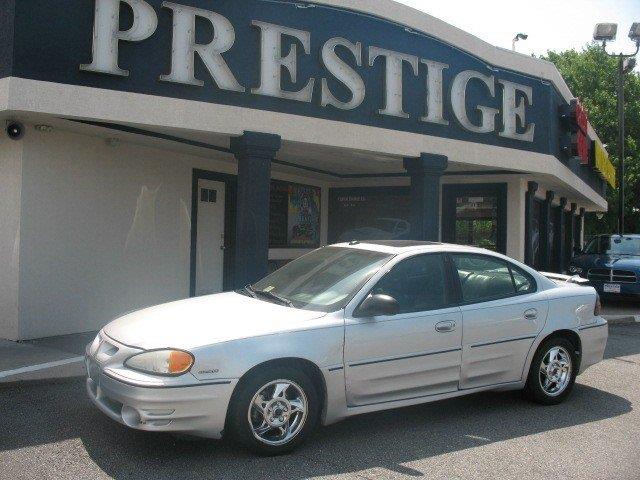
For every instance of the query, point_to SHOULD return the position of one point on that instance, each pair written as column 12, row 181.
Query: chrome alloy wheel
column 278, row 412
column 555, row 371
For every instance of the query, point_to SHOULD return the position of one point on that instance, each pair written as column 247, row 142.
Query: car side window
column 484, row 278
column 524, row 283
column 418, row 283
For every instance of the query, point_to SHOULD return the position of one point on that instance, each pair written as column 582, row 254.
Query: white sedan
column 344, row 330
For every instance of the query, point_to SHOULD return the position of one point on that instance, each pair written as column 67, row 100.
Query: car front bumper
column 629, row 291
column 197, row 409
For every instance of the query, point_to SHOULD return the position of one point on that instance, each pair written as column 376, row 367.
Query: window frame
column 510, row 266
column 450, row 288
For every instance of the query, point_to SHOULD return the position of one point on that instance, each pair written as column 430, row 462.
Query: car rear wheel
column 274, row 411
column 553, row 372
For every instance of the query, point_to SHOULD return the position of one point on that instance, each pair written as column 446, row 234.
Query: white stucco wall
column 10, row 195
column 105, row 230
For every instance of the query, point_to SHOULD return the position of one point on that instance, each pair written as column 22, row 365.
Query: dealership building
column 153, row 151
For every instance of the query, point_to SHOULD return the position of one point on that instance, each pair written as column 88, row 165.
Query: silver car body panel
column 366, row 364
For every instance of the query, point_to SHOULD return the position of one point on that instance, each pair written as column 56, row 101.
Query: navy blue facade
column 52, row 40
column 7, row 13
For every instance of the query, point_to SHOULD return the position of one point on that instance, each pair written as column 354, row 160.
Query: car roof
column 624, row 235
column 403, row 246
column 398, row 247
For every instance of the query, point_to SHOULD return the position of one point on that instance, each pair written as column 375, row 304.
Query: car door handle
column 531, row 314
column 444, row 327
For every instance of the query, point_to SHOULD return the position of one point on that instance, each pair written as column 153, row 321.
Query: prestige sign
column 346, row 78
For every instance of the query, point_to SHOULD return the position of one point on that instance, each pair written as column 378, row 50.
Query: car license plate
column 611, row 288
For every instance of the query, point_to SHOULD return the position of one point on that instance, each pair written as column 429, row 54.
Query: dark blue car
column 612, row 265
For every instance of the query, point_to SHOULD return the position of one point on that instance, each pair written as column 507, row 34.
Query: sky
column 551, row 24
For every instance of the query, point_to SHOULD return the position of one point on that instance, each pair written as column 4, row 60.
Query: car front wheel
column 274, row 410
column 553, row 372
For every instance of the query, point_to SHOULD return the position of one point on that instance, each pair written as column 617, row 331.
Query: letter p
column 107, row 33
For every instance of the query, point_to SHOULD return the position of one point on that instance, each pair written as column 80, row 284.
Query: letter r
column 107, row 33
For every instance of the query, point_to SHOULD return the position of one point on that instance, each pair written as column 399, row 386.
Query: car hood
column 621, row 262
column 202, row 321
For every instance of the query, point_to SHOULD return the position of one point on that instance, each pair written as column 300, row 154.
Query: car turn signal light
column 161, row 362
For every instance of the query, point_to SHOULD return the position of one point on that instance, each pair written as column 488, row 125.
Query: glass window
column 477, row 221
column 418, row 284
column 369, row 214
column 323, row 280
column 535, row 234
column 483, row 278
column 524, row 283
column 294, row 216
column 614, row 245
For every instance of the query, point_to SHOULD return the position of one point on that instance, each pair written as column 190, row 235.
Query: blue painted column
column 425, row 172
column 254, row 153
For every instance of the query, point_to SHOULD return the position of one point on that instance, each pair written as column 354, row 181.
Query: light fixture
column 43, row 128
column 600, row 215
column 519, row 36
column 605, row 32
column 628, row 64
column 634, row 33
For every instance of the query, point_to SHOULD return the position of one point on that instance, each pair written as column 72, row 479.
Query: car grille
column 611, row 275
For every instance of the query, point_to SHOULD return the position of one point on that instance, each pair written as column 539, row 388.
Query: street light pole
column 621, row 137
column 606, row 32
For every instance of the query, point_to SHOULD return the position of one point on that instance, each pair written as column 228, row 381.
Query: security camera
column 15, row 130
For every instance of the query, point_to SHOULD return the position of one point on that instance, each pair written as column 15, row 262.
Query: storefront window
column 554, row 233
column 369, row 214
column 535, row 234
column 294, row 217
column 475, row 215
column 477, row 221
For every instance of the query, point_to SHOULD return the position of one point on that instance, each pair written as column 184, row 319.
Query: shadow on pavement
column 42, row 412
column 624, row 340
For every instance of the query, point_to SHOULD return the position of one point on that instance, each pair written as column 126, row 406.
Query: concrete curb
column 620, row 319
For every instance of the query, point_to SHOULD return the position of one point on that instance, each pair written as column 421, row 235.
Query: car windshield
column 324, row 280
column 614, row 245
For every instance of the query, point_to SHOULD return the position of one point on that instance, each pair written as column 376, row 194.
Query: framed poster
column 294, row 217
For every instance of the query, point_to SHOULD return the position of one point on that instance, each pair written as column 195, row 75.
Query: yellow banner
column 604, row 166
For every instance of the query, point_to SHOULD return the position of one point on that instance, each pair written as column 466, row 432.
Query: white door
column 416, row 353
column 210, row 237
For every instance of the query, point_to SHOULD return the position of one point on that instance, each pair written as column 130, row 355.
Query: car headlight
column 161, row 362
column 575, row 270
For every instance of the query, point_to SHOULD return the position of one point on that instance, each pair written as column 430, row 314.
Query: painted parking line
column 41, row 366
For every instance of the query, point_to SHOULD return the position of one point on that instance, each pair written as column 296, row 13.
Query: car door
column 414, row 353
column 502, row 314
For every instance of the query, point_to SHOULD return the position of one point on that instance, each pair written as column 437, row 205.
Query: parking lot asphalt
column 50, row 430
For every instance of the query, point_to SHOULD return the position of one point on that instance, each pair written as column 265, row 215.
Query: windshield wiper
column 272, row 296
column 248, row 289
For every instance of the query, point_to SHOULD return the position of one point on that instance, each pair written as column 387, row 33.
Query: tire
column 245, row 421
column 541, row 387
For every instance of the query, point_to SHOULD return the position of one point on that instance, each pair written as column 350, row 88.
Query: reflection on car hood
column 622, row 262
column 206, row 320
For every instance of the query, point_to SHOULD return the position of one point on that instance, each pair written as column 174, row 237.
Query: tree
column 592, row 77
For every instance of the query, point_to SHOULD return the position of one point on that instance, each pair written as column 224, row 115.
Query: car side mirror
column 378, row 305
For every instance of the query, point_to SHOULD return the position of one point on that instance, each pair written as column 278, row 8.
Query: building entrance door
column 210, row 247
